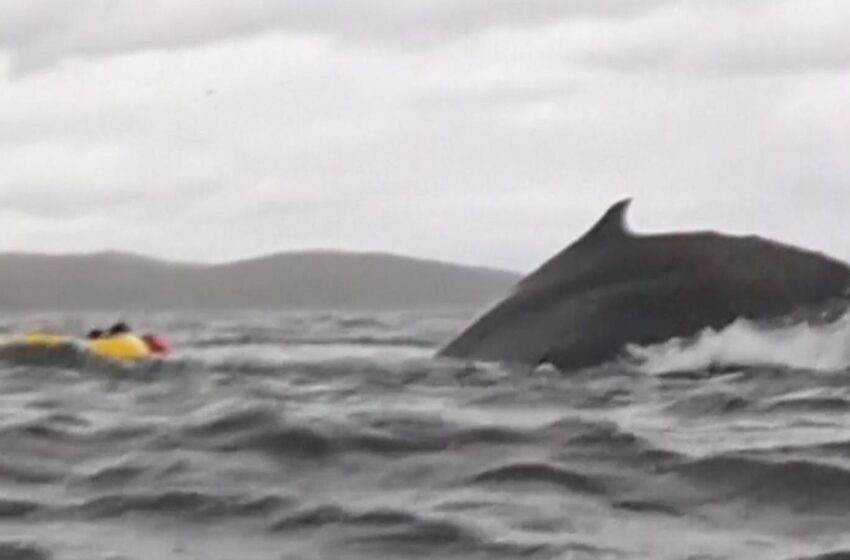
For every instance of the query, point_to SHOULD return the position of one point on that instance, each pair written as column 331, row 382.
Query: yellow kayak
column 120, row 347
column 123, row 347
column 44, row 339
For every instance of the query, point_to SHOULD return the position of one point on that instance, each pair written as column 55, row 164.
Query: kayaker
column 119, row 328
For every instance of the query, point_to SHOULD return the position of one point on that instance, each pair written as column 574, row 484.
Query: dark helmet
column 119, row 328
column 94, row 334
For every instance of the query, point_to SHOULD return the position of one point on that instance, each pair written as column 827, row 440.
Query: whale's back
column 611, row 288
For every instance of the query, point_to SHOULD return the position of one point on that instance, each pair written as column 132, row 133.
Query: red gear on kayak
column 157, row 344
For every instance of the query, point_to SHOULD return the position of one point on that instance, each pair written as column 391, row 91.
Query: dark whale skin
column 612, row 288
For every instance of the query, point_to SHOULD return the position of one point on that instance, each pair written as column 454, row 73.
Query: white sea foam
column 744, row 343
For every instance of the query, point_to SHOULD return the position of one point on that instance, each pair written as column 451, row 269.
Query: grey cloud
column 59, row 202
column 40, row 32
column 738, row 38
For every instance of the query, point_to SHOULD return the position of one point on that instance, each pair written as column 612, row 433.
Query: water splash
column 820, row 347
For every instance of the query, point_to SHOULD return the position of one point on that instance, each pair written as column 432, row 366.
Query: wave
column 801, row 485
column 268, row 431
column 819, row 347
column 27, row 472
column 831, row 451
column 62, row 355
column 23, row 551
column 540, row 473
column 60, row 432
column 115, row 475
column 709, row 404
column 808, row 404
column 606, row 440
column 17, row 509
column 184, row 503
column 647, row 506
column 274, row 439
column 399, row 530
column 332, row 514
column 430, row 533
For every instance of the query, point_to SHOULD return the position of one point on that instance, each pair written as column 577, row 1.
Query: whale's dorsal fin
column 610, row 228
column 612, row 225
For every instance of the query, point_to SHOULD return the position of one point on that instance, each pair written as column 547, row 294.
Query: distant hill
column 304, row 280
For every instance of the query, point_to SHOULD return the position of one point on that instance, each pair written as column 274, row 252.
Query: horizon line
column 242, row 260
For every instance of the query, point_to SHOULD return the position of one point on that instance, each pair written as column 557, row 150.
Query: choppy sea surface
column 339, row 435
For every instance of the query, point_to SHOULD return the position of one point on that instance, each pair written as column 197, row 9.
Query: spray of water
column 821, row 347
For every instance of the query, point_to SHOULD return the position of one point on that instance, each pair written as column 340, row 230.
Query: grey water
column 272, row 435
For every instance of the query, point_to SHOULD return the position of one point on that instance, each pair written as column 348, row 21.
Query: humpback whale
column 613, row 287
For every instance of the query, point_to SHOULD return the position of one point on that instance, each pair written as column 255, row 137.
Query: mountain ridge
column 314, row 279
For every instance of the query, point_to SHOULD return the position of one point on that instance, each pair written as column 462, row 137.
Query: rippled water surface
column 323, row 435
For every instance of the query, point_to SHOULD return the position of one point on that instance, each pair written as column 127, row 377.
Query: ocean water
column 339, row 435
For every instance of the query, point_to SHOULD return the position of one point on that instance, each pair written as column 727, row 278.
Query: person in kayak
column 119, row 328
column 153, row 343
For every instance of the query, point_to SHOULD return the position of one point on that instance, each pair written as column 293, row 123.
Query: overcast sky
column 480, row 131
